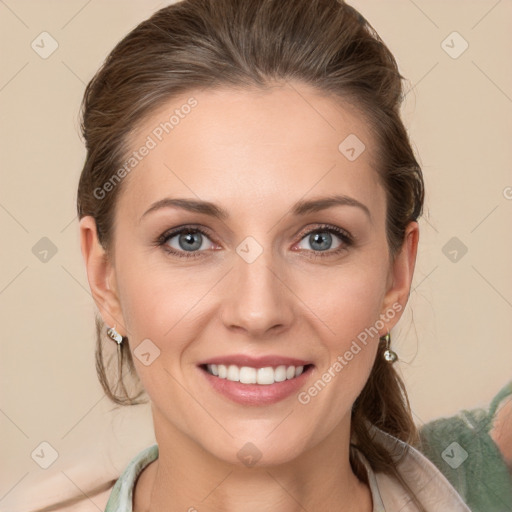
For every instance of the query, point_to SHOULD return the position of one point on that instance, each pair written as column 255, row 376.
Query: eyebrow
column 300, row 208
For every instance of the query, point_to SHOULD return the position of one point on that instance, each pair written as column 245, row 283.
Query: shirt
column 429, row 485
column 461, row 447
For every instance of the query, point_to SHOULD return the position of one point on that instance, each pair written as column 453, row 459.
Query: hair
column 206, row 44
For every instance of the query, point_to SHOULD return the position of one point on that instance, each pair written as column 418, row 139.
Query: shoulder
column 472, row 431
column 416, row 485
column 471, row 447
column 85, row 500
column 122, row 494
column 112, row 495
column 421, row 477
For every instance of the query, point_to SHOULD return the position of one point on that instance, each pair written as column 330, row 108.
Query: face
column 271, row 277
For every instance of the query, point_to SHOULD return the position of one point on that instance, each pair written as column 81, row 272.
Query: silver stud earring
column 112, row 333
column 389, row 355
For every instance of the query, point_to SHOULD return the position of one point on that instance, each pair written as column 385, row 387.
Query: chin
column 257, row 451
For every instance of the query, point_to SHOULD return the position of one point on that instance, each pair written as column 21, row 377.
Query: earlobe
column 402, row 273
column 100, row 275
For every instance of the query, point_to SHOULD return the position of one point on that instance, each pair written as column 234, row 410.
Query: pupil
column 319, row 236
column 190, row 241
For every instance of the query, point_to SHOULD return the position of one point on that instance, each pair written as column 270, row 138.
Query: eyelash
column 325, row 228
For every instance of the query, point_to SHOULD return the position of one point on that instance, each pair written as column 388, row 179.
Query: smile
column 249, row 375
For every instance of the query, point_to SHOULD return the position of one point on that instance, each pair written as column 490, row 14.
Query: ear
column 101, row 276
column 400, row 277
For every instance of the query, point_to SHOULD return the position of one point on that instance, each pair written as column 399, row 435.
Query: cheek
column 155, row 296
column 163, row 308
column 349, row 307
column 347, row 300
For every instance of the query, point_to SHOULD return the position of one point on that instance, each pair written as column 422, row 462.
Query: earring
column 389, row 355
column 112, row 333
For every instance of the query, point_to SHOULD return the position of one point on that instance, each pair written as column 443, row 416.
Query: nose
column 257, row 298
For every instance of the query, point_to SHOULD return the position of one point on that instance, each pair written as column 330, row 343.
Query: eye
column 320, row 239
column 189, row 241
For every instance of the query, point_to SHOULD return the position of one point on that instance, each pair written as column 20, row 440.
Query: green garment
column 462, row 449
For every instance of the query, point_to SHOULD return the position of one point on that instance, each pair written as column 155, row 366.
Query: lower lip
column 257, row 394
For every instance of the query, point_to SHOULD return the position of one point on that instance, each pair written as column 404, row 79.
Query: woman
column 248, row 217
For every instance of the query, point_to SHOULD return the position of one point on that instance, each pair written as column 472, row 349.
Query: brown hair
column 196, row 44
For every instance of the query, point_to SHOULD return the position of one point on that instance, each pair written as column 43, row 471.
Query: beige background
column 454, row 339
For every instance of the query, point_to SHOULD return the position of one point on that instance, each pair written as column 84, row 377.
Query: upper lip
column 255, row 362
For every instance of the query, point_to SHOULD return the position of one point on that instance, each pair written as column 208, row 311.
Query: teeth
column 248, row 375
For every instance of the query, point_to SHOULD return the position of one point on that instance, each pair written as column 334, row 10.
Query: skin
column 255, row 154
column 501, row 431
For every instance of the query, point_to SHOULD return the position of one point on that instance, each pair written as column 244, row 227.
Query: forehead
column 225, row 144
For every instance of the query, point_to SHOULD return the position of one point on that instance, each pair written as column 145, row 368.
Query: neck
column 185, row 477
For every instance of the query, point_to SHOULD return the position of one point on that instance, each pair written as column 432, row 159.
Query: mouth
column 263, row 376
